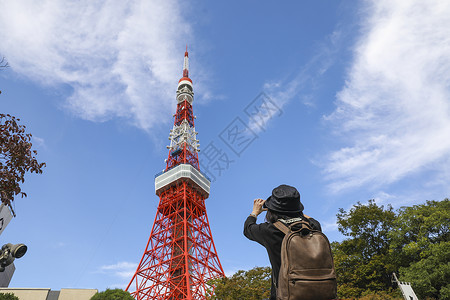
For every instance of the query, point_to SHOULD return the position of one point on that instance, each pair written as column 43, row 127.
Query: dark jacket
column 270, row 237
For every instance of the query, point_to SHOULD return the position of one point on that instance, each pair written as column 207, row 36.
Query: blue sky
column 358, row 91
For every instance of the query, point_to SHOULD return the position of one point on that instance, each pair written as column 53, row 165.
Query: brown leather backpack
column 307, row 268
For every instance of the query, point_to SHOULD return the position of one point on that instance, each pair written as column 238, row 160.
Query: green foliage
column 16, row 158
column 361, row 262
column 418, row 227
column 414, row 241
column 253, row 284
column 391, row 295
column 8, row 296
column 420, row 248
column 116, row 294
column 429, row 276
column 368, row 226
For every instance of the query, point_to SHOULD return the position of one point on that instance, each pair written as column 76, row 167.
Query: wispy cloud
column 304, row 84
column 123, row 270
column 117, row 57
column 39, row 142
column 329, row 226
column 394, row 111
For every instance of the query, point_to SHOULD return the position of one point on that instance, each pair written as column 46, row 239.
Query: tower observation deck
column 180, row 257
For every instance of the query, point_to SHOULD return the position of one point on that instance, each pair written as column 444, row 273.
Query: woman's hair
column 272, row 216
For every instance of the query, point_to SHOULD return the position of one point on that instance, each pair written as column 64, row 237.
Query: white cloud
column 329, row 226
column 394, row 111
column 302, row 86
column 124, row 270
column 38, row 142
column 118, row 57
column 117, row 286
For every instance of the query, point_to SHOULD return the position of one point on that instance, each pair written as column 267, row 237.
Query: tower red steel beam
column 180, row 257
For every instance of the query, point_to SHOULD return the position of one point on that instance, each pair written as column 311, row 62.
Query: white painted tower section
column 180, row 135
column 184, row 133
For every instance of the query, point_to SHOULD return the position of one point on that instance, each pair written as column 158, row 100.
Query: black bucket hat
column 285, row 199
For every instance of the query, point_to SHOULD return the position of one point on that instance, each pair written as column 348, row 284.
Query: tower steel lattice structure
column 180, row 257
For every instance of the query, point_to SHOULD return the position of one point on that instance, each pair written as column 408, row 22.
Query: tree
column 418, row 227
column 429, row 276
column 16, row 159
column 115, row 294
column 253, row 284
column 361, row 261
column 8, row 296
column 413, row 241
column 368, row 226
column 420, row 248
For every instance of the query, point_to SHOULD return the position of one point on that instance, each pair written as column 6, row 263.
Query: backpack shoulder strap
column 282, row 227
column 286, row 228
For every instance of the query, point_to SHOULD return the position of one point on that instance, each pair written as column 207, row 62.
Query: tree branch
column 4, row 63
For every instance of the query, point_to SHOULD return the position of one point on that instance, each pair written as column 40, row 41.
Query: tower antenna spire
column 186, row 64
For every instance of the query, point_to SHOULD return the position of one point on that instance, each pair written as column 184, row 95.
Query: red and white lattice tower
column 180, row 258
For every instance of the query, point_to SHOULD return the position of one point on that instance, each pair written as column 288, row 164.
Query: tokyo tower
column 180, row 257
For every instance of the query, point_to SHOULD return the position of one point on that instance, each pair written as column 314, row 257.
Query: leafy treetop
column 16, row 158
column 253, row 284
column 8, row 296
column 413, row 241
column 115, row 294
